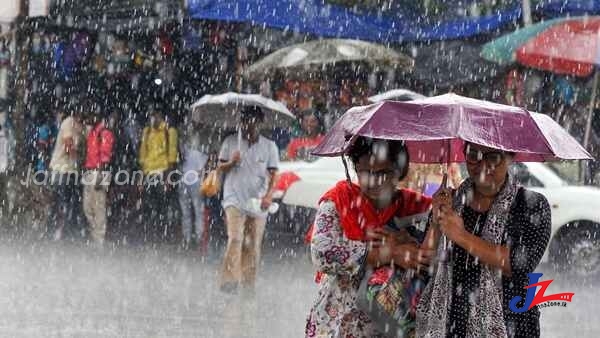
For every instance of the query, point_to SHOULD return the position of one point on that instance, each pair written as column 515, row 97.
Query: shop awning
column 324, row 19
column 561, row 8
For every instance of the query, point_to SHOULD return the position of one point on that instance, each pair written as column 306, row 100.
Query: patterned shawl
column 486, row 317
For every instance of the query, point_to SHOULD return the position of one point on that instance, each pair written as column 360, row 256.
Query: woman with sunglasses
column 349, row 234
column 496, row 233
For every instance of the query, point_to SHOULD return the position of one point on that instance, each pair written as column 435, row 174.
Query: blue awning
column 560, row 8
column 315, row 17
column 405, row 22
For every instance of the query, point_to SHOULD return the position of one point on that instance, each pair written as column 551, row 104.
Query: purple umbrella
column 436, row 129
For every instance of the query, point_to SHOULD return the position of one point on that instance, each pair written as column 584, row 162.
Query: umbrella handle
column 441, row 249
column 449, row 162
column 446, row 243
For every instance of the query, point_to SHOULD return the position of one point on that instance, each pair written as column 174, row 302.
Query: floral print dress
column 334, row 313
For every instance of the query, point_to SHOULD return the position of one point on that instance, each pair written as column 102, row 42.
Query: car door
column 536, row 177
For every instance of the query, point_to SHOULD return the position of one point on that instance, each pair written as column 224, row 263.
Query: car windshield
column 568, row 171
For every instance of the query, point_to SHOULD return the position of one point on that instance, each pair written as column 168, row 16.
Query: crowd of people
column 110, row 181
column 129, row 200
column 83, row 143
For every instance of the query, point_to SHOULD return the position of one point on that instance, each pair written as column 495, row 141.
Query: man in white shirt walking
column 250, row 163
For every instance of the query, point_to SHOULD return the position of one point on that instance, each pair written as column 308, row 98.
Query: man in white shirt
column 250, row 163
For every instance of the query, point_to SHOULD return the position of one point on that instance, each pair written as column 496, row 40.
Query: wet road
column 49, row 290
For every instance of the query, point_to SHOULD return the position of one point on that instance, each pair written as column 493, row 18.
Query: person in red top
column 96, row 178
column 312, row 127
column 351, row 232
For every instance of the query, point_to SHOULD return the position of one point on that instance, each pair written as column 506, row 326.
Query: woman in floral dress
column 349, row 234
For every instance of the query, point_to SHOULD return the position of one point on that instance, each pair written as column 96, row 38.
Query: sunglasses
column 492, row 158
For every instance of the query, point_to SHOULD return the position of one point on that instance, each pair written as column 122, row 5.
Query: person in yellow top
column 158, row 159
column 158, row 151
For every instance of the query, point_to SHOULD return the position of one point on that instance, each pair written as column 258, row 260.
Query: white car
column 575, row 242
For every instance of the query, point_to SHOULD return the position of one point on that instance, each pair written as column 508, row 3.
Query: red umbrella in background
column 571, row 47
column 567, row 47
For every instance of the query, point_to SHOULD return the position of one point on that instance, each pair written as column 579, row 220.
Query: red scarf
column 357, row 213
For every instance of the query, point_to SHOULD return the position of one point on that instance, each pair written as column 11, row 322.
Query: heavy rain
column 299, row 168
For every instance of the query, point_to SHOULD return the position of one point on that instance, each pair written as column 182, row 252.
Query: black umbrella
column 448, row 63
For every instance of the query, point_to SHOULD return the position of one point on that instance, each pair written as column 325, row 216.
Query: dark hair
column 312, row 112
column 157, row 111
column 397, row 152
column 249, row 112
column 309, row 112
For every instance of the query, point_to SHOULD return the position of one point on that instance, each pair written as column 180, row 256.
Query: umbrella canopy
column 397, row 95
column 569, row 47
column 562, row 144
column 437, row 128
column 224, row 110
column 315, row 55
column 503, row 50
column 444, row 64
column 562, row 46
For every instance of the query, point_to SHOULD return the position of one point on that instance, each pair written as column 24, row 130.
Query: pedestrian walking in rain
column 350, row 235
column 499, row 233
column 158, row 158
column 250, row 163
column 194, row 151
column 96, row 178
column 64, row 164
